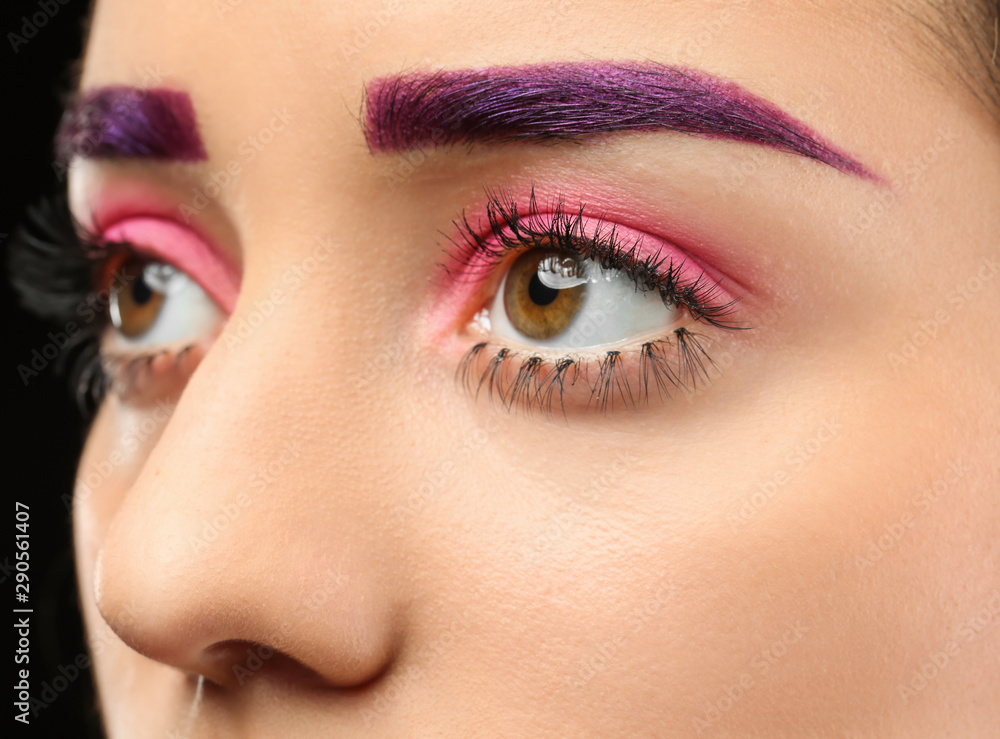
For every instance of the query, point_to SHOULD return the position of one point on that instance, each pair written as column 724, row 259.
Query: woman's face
column 775, row 511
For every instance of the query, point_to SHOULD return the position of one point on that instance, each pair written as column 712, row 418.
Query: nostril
column 235, row 662
column 228, row 613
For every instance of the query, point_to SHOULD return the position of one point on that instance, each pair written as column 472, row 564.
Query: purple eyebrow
column 119, row 121
column 568, row 100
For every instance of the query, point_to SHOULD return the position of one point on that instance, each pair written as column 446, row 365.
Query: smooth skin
column 403, row 560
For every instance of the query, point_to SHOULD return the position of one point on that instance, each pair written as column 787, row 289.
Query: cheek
column 750, row 571
column 118, row 444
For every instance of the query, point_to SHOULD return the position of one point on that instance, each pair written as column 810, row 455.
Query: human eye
column 138, row 323
column 551, row 299
column 152, row 303
column 574, row 311
column 160, row 322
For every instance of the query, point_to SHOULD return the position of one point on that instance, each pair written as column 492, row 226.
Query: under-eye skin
column 570, row 312
column 145, row 325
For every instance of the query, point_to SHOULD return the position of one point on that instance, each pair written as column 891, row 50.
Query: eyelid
column 166, row 240
column 478, row 251
column 645, row 245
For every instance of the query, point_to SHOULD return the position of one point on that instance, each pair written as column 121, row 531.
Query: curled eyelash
column 48, row 260
column 557, row 228
column 131, row 377
column 55, row 264
column 525, row 381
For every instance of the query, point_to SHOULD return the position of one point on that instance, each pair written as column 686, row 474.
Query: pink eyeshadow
column 167, row 240
column 460, row 285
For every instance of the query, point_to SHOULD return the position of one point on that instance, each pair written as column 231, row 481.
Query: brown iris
column 135, row 304
column 535, row 304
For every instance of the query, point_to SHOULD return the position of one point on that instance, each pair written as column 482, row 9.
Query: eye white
column 614, row 310
column 187, row 313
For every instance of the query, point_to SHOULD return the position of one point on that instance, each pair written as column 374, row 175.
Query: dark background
column 43, row 430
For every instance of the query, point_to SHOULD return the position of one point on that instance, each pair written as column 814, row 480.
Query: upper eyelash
column 510, row 230
column 53, row 260
column 55, row 265
column 678, row 361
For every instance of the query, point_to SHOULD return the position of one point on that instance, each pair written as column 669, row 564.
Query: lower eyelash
column 143, row 378
column 527, row 381
column 136, row 379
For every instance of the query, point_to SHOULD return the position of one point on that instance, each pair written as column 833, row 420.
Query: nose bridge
column 251, row 531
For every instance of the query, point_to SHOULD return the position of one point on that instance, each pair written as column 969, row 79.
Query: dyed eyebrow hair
column 568, row 100
column 130, row 122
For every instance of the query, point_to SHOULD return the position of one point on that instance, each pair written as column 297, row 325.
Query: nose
column 251, row 546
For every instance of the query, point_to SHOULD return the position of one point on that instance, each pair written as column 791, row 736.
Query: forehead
column 326, row 43
column 825, row 63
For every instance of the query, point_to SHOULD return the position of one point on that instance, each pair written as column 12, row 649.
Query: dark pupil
column 140, row 291
column 541, row 294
